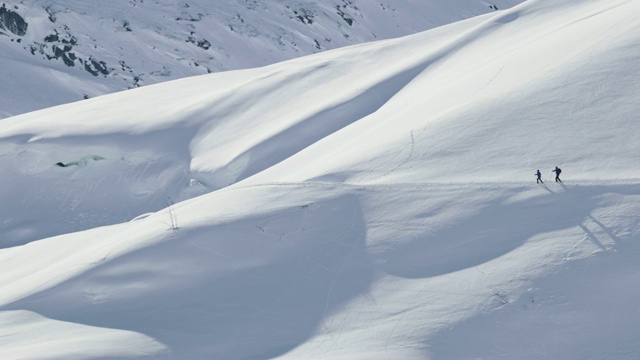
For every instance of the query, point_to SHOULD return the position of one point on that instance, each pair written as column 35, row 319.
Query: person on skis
column 539, row 179
column 557, row 171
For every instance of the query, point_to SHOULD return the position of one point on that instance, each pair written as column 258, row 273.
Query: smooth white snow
column 376, row 201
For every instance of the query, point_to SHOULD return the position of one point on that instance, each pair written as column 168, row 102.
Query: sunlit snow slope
column 372, row 202
column 54, row 52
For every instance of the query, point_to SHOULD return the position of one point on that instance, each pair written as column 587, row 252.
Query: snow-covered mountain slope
column 59, row 51
column 376, row 201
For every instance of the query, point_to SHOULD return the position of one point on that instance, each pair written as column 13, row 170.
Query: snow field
column 373, row 201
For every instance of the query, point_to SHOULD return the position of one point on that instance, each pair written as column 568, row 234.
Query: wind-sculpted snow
column 45, row 335
column 376, row 201
column 81, row 50
column 314, row 264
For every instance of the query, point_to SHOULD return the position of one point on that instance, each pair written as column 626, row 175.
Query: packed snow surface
column 371, row 202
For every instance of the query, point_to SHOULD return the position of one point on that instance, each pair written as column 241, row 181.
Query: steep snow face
column 485, row 103
column 373, row 201
column 58, row 51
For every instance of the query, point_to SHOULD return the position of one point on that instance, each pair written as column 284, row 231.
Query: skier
column 539, row 179
column 557, row 171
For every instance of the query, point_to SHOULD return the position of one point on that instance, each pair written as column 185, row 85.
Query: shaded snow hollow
column 372, row 202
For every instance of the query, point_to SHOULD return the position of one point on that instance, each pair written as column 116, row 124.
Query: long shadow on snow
column 314, row 128
column 589, row 305
column 495, row 230
column 252, row 289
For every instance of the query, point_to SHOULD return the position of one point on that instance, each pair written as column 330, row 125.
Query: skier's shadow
column 563, row 185
column 544, row 186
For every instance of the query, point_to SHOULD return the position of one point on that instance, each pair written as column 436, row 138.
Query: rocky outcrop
column 11, row 21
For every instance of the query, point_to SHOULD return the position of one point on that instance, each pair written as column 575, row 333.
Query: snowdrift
column 376, row 201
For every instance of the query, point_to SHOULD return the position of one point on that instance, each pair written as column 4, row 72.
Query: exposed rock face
column 11, row 21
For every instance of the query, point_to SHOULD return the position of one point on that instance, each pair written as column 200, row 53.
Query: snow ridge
column 80, row 51
column 375, row 201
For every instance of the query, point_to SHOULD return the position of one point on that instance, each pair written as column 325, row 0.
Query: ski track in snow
column 372, row 202
column 565, row 185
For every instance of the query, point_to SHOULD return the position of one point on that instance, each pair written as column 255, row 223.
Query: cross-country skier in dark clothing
column 539, row 179
column 557, row 171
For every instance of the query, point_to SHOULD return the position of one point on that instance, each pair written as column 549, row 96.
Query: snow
column 54, row 339
column 73, row 49
column 376, row 201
